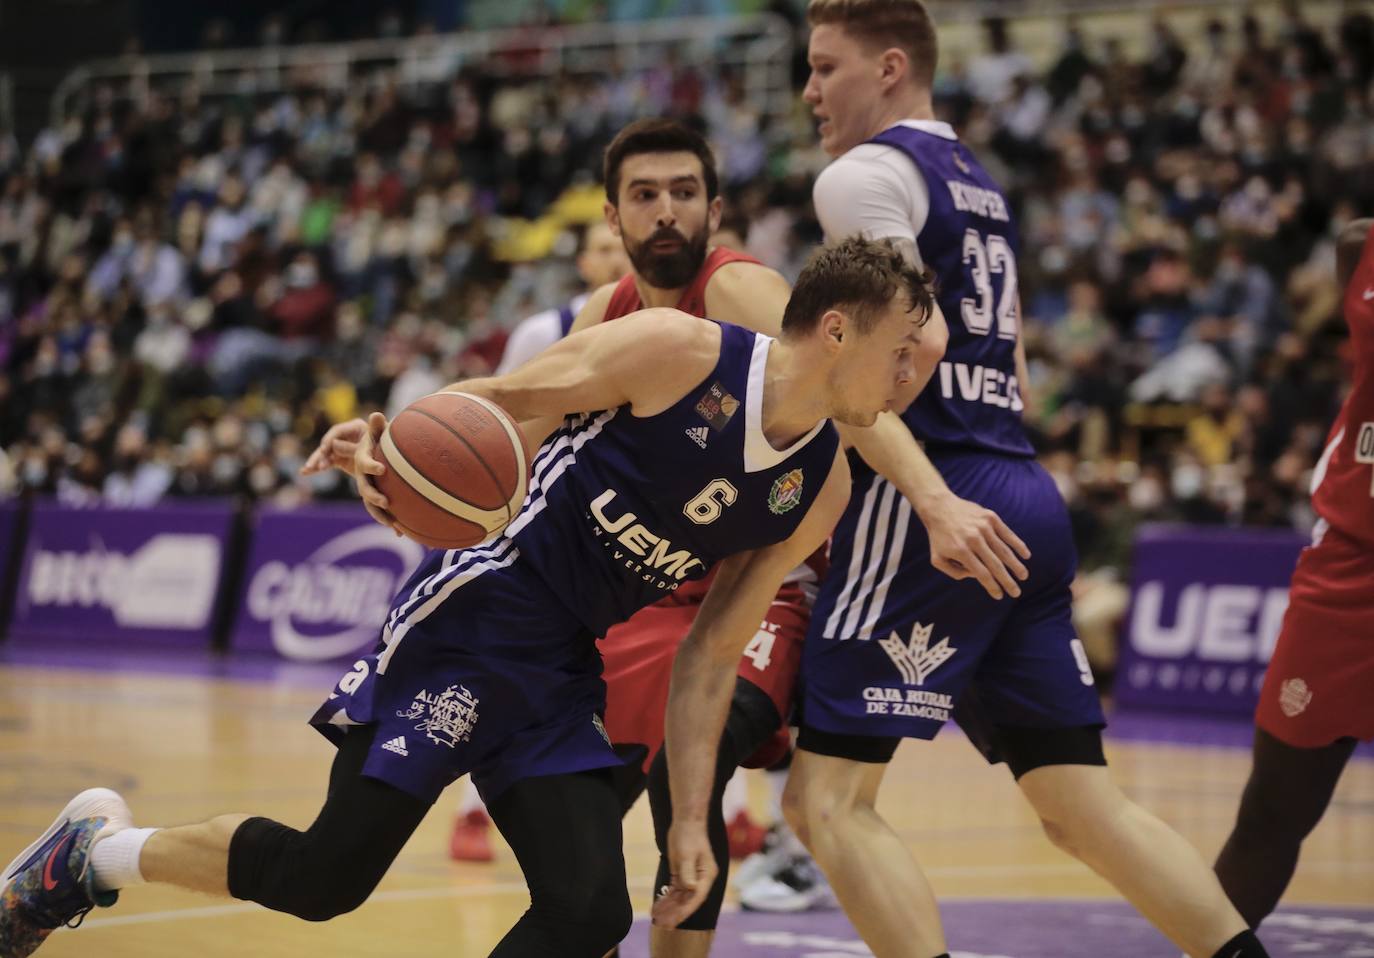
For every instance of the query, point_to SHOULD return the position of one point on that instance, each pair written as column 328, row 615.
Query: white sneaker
column 797, row 886
column 773, row 857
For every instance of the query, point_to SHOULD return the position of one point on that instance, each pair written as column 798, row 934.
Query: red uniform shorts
column 638, row 664
column 1320, row 683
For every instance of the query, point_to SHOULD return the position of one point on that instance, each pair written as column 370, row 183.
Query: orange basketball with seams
column 456, row 470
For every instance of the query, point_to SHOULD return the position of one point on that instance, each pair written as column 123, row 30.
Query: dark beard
column 671, row 271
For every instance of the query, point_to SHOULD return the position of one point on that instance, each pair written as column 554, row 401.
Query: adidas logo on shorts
column 397, row 745
column 698, row 435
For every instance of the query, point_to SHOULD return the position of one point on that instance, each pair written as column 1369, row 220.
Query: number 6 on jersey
column 707, row 505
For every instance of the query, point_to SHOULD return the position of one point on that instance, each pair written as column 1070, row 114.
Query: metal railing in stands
column 759, row 46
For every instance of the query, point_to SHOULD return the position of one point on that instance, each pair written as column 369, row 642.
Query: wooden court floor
column 185, row 748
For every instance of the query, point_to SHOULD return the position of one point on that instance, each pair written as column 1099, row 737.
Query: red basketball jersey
column 1343, row 482
column 625, row 299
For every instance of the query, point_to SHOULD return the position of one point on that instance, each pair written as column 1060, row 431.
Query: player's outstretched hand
column 366, row 466
column 969, row 541
column 336, row 448
column 693, row 869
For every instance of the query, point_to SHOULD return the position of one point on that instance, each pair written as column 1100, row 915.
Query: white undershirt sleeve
column 873, row 190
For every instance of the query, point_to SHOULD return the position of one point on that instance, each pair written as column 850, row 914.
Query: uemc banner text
column 1206, row 608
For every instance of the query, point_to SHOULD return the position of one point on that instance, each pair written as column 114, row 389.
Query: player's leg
column 1315, row 702
column 1155, row 869
column 751, row 722
column 565, row 832
column 1287, row 794
column 830, row 803
column 325, row 871
column 1034, row 707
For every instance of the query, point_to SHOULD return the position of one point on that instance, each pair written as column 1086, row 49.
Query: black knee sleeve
column 565, row 832
column 587, row 913
column 333, row 867
column 282, row 869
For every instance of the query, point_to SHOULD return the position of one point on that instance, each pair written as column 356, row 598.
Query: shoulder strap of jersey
column 624, row 300
column 694, row 296
column 566, row 317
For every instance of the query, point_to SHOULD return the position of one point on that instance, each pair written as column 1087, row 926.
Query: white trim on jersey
column 864, row 587
column 552, row 461
column 469, row 572
column 759, row 453
column 452, row 559
column 1324, row 463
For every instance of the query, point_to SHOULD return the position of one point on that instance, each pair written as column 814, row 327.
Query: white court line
column 244, row 907
column 519, row 887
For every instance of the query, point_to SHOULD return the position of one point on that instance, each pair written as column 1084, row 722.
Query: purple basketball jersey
column 970, row 242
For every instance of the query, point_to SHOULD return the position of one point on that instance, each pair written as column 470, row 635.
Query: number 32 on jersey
column 985, row 260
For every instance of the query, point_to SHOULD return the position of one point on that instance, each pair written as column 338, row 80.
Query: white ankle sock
column 114, row 860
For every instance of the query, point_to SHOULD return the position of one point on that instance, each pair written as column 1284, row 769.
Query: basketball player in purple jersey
column 894, row 648
column 487, row 662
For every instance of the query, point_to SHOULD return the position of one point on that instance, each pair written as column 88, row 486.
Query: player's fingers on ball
column 376, row 424
column 367, row 464
column 381, row 515
column 1012, row 539
column 372, row 496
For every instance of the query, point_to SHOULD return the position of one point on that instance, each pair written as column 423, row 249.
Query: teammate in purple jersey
column 894, row 648
column 487, row 663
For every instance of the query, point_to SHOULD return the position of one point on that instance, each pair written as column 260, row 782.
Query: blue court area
column 1029, row 929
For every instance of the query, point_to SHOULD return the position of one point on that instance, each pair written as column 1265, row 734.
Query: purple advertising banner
column 98, row 576
column 1206, row 608
column 319, row 582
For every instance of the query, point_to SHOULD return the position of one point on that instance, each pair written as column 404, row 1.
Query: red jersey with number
column 1343, row 482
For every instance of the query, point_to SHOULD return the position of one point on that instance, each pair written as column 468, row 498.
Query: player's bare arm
column 609, row 365
column 749, row 295
column 703, row 681
column 339, row 444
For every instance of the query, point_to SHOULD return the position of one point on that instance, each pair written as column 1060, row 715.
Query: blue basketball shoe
column 51, row 884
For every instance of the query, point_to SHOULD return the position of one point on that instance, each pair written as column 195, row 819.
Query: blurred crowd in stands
column 193, row 289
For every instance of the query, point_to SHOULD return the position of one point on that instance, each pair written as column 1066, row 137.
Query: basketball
column 456, row 470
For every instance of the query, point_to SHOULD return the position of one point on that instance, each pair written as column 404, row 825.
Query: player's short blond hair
column 885, row 23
